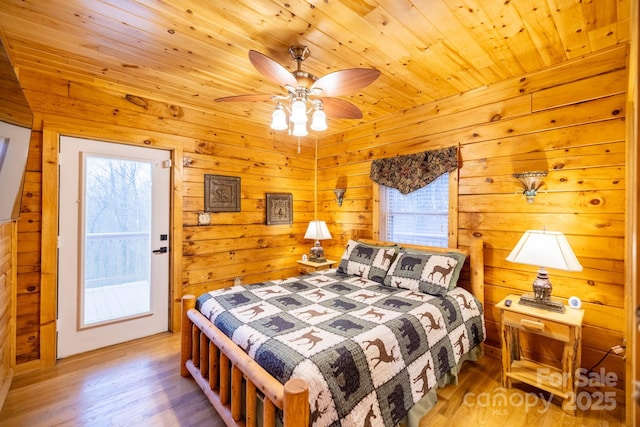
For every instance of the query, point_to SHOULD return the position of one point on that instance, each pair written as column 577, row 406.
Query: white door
column 113, row 263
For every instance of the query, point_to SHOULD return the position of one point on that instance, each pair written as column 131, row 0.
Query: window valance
column 413, row 171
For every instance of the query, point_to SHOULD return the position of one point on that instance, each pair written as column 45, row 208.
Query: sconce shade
column 317, row 230
column 545, row 249
column 531, row 182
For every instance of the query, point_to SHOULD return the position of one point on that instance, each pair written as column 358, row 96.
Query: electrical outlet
column 617, row 349
column 237, row 281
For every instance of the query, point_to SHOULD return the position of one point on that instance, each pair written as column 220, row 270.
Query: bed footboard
column 220, row 368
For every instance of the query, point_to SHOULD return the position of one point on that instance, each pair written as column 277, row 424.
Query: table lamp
column 317, row 231
column 548, row 249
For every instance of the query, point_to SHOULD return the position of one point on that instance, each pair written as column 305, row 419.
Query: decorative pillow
column 433, row 273
column 368, row 261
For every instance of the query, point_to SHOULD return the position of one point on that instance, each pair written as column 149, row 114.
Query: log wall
column 569, row 121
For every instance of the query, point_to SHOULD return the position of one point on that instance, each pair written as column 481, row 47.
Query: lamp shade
column 298, row 112
column 543, row 248
column 299, row 129
column 317, row 230
column 319, row 120
column 279, row 118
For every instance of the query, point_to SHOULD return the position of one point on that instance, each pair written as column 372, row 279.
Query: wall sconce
column 339, row 195
column 531, row 182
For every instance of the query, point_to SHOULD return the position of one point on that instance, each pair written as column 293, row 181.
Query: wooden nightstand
column 306, row 267
column 565, row 327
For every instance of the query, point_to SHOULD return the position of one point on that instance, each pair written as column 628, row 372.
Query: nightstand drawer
column 536, row 325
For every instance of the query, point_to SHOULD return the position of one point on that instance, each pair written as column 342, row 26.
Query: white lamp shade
column 299, row 129
column 319, row 120
column 279, row 119
column 298, row 112
column 549, row 249
column 317, row 230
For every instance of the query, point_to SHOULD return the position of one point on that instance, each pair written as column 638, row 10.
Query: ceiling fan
column 304, row 88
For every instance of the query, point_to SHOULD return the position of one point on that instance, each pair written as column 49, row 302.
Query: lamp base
column 316, row 253
column 544, row 304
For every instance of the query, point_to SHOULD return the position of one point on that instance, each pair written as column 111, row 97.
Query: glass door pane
column 115, row 277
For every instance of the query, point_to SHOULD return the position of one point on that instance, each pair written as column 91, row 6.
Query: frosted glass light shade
column 317, row 230
column 299, row 129
column 319, row 120
column 279, row 119
column 543, row 248
column 298, row 112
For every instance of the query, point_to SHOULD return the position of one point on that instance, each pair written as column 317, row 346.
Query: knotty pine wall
column 204, row 257
column 7, row 305
column 568, row 120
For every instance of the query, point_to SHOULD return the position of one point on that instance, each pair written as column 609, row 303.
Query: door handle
column 162, row 250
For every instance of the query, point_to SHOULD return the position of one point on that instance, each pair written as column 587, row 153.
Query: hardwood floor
column 138, row 384
column 131, row 384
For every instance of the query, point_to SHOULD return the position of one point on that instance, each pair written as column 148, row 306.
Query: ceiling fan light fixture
column 279, row 118
column 306, row 92
column 299, row 129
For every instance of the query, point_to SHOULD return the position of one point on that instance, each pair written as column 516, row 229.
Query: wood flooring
column 138, row 384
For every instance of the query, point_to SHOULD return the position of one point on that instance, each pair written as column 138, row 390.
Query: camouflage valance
column 413, row 171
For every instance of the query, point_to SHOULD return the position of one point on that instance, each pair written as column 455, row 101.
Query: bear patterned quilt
column 368, row 351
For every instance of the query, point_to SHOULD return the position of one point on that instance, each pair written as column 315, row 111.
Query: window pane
column 117, row 238
column 420, row 217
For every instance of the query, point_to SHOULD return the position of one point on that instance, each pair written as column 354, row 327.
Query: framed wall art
column 221, row 193
column 279, row 208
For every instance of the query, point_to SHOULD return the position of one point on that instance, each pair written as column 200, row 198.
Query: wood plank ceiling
column 188, row 53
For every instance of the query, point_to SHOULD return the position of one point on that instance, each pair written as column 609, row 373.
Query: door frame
column 49, row 225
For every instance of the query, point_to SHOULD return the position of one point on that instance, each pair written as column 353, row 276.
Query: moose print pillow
column 368, row 261
column 429, row 272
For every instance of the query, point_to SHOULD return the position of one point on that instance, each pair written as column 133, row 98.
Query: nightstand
column 306, row 267
column 565, row 327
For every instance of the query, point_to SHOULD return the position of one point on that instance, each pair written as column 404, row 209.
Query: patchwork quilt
column 368, row 351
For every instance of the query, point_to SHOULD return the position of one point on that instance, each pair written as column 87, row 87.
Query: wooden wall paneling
column 8, row 238
column 28, row 258
column 578, row 138
column 201, row 143
column 632, row 272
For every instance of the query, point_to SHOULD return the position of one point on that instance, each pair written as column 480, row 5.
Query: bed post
column 296, row 403
column 476, row 252
column 188, row 302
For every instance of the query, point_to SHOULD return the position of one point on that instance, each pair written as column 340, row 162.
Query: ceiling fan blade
column 340, row 109
column 346, row 81
column 271, row 69
column 245, row 98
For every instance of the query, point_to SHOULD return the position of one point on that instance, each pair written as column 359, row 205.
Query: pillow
column 368, row 261
column 433, row 273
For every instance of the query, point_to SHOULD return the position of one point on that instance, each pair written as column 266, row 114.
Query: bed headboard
column 472, row 274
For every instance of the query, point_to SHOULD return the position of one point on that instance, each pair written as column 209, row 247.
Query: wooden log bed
column 235, row 384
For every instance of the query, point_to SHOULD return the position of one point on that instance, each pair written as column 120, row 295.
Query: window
column 420, row 217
